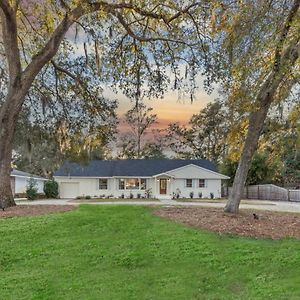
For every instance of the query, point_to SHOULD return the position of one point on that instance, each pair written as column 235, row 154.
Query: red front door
column 163, row 186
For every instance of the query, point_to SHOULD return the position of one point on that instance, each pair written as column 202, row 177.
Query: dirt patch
column 34, row 210
column 272, row 225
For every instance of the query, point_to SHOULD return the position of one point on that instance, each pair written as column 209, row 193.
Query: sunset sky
column 172, row 108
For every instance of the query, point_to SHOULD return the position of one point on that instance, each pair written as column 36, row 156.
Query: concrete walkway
column 282, row 206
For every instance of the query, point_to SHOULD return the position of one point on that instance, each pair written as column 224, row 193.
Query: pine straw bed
column 34, row 210
column 274, row 225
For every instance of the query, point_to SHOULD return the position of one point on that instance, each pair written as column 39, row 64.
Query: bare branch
column 71, row 75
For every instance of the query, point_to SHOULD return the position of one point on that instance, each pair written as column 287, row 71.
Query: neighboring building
column 117, row 177
column 19, row 182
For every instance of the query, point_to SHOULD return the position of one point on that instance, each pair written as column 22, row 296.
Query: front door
column 163, row 186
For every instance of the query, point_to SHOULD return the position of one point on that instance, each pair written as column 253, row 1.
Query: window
column 201, row 183
column 132, row 184
column 121, row 184
column 189, row 183
column 102, row 184
column 143, row 184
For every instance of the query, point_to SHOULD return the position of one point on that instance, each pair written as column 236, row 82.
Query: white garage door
column 69, row 190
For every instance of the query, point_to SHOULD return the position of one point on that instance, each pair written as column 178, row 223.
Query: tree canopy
column 129, row 46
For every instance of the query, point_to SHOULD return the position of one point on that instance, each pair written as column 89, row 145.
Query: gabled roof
column 17, row 173
column 128, row 167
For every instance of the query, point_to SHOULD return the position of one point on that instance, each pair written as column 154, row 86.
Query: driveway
column 282, row 206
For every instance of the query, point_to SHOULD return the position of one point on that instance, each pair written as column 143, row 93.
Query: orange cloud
column 170, row 109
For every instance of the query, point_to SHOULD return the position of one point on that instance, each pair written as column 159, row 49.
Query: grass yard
column 124, row 252
column 95, row 200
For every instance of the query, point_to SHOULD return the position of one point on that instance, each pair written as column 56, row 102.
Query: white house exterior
column 19, row 182
column 163, row 178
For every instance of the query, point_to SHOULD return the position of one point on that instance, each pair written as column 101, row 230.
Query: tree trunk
column 284, row 60
column 139, row 147
column 256, row 123
column 8, row 119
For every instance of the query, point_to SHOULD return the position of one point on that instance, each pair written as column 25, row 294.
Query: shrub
column 191, row 195
column 31, row 191
column 87, row 197
column 122, row 196
column 131, row 196
column 138, row 196
column 211, row 195
column 178, row 193
column 51, row 189
column 200, row 195
column 148, row 193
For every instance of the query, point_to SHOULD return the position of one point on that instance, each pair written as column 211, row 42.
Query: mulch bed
column 33, row 210
column 272, row 225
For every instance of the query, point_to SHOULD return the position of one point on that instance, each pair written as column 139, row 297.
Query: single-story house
column 19, row 181
column 117, row 178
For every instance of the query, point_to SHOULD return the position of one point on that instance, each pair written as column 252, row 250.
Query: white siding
column 21, row 184
column 211, row 186
column 90, row 186
column 192, row 171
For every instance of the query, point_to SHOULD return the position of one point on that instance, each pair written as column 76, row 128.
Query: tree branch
column 10, row 38
column 63, row 70
column 71, row 75
column 285, row 30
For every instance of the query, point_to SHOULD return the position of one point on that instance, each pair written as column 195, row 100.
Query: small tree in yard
column 51, row 189
column 31, row 191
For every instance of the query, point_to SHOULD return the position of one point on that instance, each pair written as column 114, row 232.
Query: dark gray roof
column 24, row 174
column 128, row 167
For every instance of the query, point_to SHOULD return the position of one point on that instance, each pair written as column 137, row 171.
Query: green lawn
column 124, row 252
column 95, row 200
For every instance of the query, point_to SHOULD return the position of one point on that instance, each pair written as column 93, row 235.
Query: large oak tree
column 130, row 45
column 259, row 46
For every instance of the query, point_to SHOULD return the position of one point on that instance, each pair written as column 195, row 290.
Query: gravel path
column 248, row 204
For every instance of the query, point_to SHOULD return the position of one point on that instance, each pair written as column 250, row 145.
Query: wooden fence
column 266, row 192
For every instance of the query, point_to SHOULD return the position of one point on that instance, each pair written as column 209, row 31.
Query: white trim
column 185, row 183
column 35, row 178
column 102, row 177
column 137, row 176
column 80, row 177
column 163, row 174
column 210, row 171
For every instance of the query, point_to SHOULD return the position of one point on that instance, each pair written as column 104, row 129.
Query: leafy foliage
column 204, row 137
column 139, row 119
column 31, row 190
column 51, row 189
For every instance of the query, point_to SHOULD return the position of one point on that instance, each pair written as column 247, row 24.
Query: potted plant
column 191, row 195
column 131, row 195
column 211, row 195
column 200, row 195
